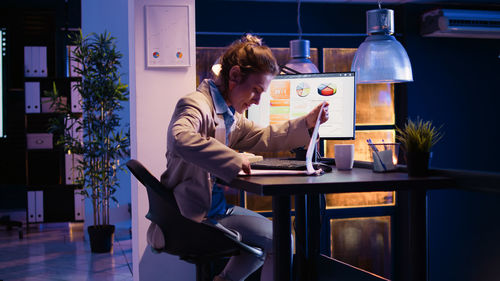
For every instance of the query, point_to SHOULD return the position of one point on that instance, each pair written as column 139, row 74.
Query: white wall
column 96, row 18
column 154, row 93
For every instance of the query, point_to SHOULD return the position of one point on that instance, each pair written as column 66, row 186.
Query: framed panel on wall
column 167, row 36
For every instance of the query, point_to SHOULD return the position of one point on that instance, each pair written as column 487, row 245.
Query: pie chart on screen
column 329, row 89
column 303, row 89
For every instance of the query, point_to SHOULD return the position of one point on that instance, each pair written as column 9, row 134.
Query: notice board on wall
column 167, row 36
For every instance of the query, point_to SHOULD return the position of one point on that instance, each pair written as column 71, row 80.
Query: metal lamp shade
column 302, row 65
column 300, row 53
column 381, row 59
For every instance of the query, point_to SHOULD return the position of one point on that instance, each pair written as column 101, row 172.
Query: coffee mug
column 344, row 156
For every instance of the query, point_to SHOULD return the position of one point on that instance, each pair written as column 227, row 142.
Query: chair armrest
column 232, row 233
column 236, row 237
column 228, row 231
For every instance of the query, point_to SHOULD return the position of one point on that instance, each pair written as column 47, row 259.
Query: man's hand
column 313, row 115
column 245, row 166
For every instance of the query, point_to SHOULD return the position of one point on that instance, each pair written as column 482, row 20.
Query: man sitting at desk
column 206, row 130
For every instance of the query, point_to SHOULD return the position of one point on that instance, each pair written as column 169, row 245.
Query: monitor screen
column 2, row 75
column 292, row 96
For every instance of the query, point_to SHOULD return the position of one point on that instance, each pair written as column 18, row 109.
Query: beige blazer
column 193, row 152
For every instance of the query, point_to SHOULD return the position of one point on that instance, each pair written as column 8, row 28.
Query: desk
column 356, row 180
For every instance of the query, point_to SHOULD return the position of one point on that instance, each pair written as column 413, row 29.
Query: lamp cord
column 298, row 19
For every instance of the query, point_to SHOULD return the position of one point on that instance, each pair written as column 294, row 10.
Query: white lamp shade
column 381, row 59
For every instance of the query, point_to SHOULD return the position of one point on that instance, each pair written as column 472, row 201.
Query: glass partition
column 375, row 104
column 259, row 203
column 364, row 243
column 361, row 149
column 360, row 199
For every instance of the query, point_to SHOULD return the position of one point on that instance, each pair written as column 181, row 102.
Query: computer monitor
column 292, row 96
column 3, row 42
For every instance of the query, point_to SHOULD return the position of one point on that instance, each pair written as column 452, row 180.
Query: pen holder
column 384, row 156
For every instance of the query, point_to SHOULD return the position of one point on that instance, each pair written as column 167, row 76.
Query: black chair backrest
column 183, row 237
column 161, row 200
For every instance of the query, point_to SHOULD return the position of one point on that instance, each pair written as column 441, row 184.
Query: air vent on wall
column 461, row 23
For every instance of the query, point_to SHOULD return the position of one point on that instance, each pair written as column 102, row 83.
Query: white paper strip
column 273, row 173
column 312, row 144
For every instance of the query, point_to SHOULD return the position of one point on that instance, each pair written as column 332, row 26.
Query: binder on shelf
column 31, row 206
column 28, row 71
column 79, row 206
column 78, row 132
column 73, row 126
column 72, row 64
column 39, row 206
column 35, row 206
column 71, row 163
column 42, row 64
column 76, row 98
column 35, row 61
column 32, row 97
column 39, row 141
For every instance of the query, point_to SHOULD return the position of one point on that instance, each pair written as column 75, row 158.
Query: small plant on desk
column 417, row 138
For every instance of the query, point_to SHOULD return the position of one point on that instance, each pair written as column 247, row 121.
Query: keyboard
column 279, row 164
column 286, row 164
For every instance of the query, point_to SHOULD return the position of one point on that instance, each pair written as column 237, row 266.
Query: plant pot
column 101, row 238
column 417, row 163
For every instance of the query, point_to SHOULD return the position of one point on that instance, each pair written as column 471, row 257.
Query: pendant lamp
column 300, row 54
column 381, row 58
column 300, row 62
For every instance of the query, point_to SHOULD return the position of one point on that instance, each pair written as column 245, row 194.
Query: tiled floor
column 60, row 251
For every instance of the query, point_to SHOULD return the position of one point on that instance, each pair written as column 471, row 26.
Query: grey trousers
column 255, row 230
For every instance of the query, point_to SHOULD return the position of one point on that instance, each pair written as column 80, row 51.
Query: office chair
column 197, row 243
column 5, row 221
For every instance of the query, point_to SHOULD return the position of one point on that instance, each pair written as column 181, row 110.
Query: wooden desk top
column 355, row 180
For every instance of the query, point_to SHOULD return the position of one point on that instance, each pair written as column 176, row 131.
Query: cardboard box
column 39, row 141
column 48, row 107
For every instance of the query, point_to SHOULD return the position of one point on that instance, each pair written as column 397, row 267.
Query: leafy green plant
column 97, row 135
column 418, row 135
column 65, row 125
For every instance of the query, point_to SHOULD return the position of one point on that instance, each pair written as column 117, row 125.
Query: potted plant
column 417, row 138
column 97, row 135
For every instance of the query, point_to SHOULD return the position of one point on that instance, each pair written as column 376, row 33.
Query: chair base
column 206, row 271
column 5, row 221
